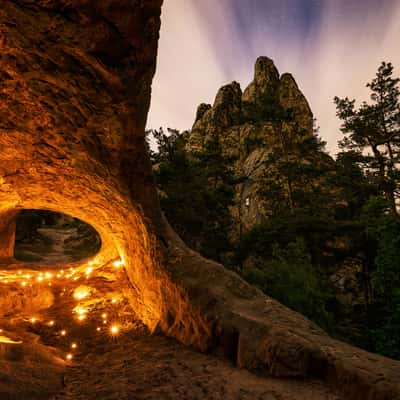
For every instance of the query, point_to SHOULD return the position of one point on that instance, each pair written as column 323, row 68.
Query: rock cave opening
column 47, row 236
column 63, row 289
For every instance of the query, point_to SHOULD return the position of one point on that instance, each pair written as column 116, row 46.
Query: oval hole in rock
column 52, row 237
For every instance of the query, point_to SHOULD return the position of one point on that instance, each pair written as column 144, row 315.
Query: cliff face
column 272, row 113
column 75, row 90
column 271, row 110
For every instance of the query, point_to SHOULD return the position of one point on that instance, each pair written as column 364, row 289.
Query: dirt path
column 138, row 366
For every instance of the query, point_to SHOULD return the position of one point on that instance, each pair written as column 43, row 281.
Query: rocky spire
column 263, row 101
column 266, row 81
column 201, row 110
column 225, row 112
column 291, row 98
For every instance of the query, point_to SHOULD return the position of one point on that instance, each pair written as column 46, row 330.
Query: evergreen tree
column 373, row 131
column 196, row 191
column 295, row 174
column 289, row 276
column 384, row 313
column 356, row 188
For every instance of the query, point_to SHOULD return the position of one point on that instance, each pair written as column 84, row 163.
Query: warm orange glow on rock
column 81, row 292
column 5, row 339
column 118, row 263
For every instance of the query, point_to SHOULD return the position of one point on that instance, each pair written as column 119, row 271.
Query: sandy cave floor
column 131, row 364
column 139, row 366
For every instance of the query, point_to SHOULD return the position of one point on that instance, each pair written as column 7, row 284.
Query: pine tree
column 373, row 131
column 196, row 191
column 295, row 173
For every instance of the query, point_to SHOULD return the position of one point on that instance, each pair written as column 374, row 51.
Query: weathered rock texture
column 272, row 115
column 248, row 125
column 75, row 90
column 7, row 233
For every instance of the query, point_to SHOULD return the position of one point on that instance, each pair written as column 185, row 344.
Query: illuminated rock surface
column 75, row 80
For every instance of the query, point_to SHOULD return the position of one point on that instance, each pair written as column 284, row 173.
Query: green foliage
column 196, row 191
column 267, row 108
column 355, row 186
column 373, row 132
column 289, row 277
column 295, row 173
column 319, row 212
column 385, row 330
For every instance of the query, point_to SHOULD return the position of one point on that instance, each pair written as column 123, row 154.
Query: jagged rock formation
column 271, row 113
column 248, row 125
column 75, row 89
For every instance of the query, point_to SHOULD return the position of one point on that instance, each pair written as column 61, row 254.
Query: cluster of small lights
column 80, row 293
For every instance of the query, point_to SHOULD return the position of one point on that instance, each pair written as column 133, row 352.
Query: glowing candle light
column 33, row 320
column 23, row 283
column 81, row 317
column 89, row 270
column 118, row 263
column 69, row 356
column 81, row 292
column 48, row 275
column 114, row 330
column 51, row 323
column 40, row 278
column 74, row 345
column 63, row 332
column 114, row 300
column 98, row 329
column 80, row 310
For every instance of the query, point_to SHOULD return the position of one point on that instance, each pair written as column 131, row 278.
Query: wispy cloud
column 332, row 47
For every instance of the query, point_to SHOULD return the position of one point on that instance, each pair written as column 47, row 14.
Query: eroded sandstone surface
column 248, row 124
column 75, row 78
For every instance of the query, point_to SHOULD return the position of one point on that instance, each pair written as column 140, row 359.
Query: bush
column 290, row 278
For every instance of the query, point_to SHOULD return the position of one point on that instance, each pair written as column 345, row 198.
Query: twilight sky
column 332, row 47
